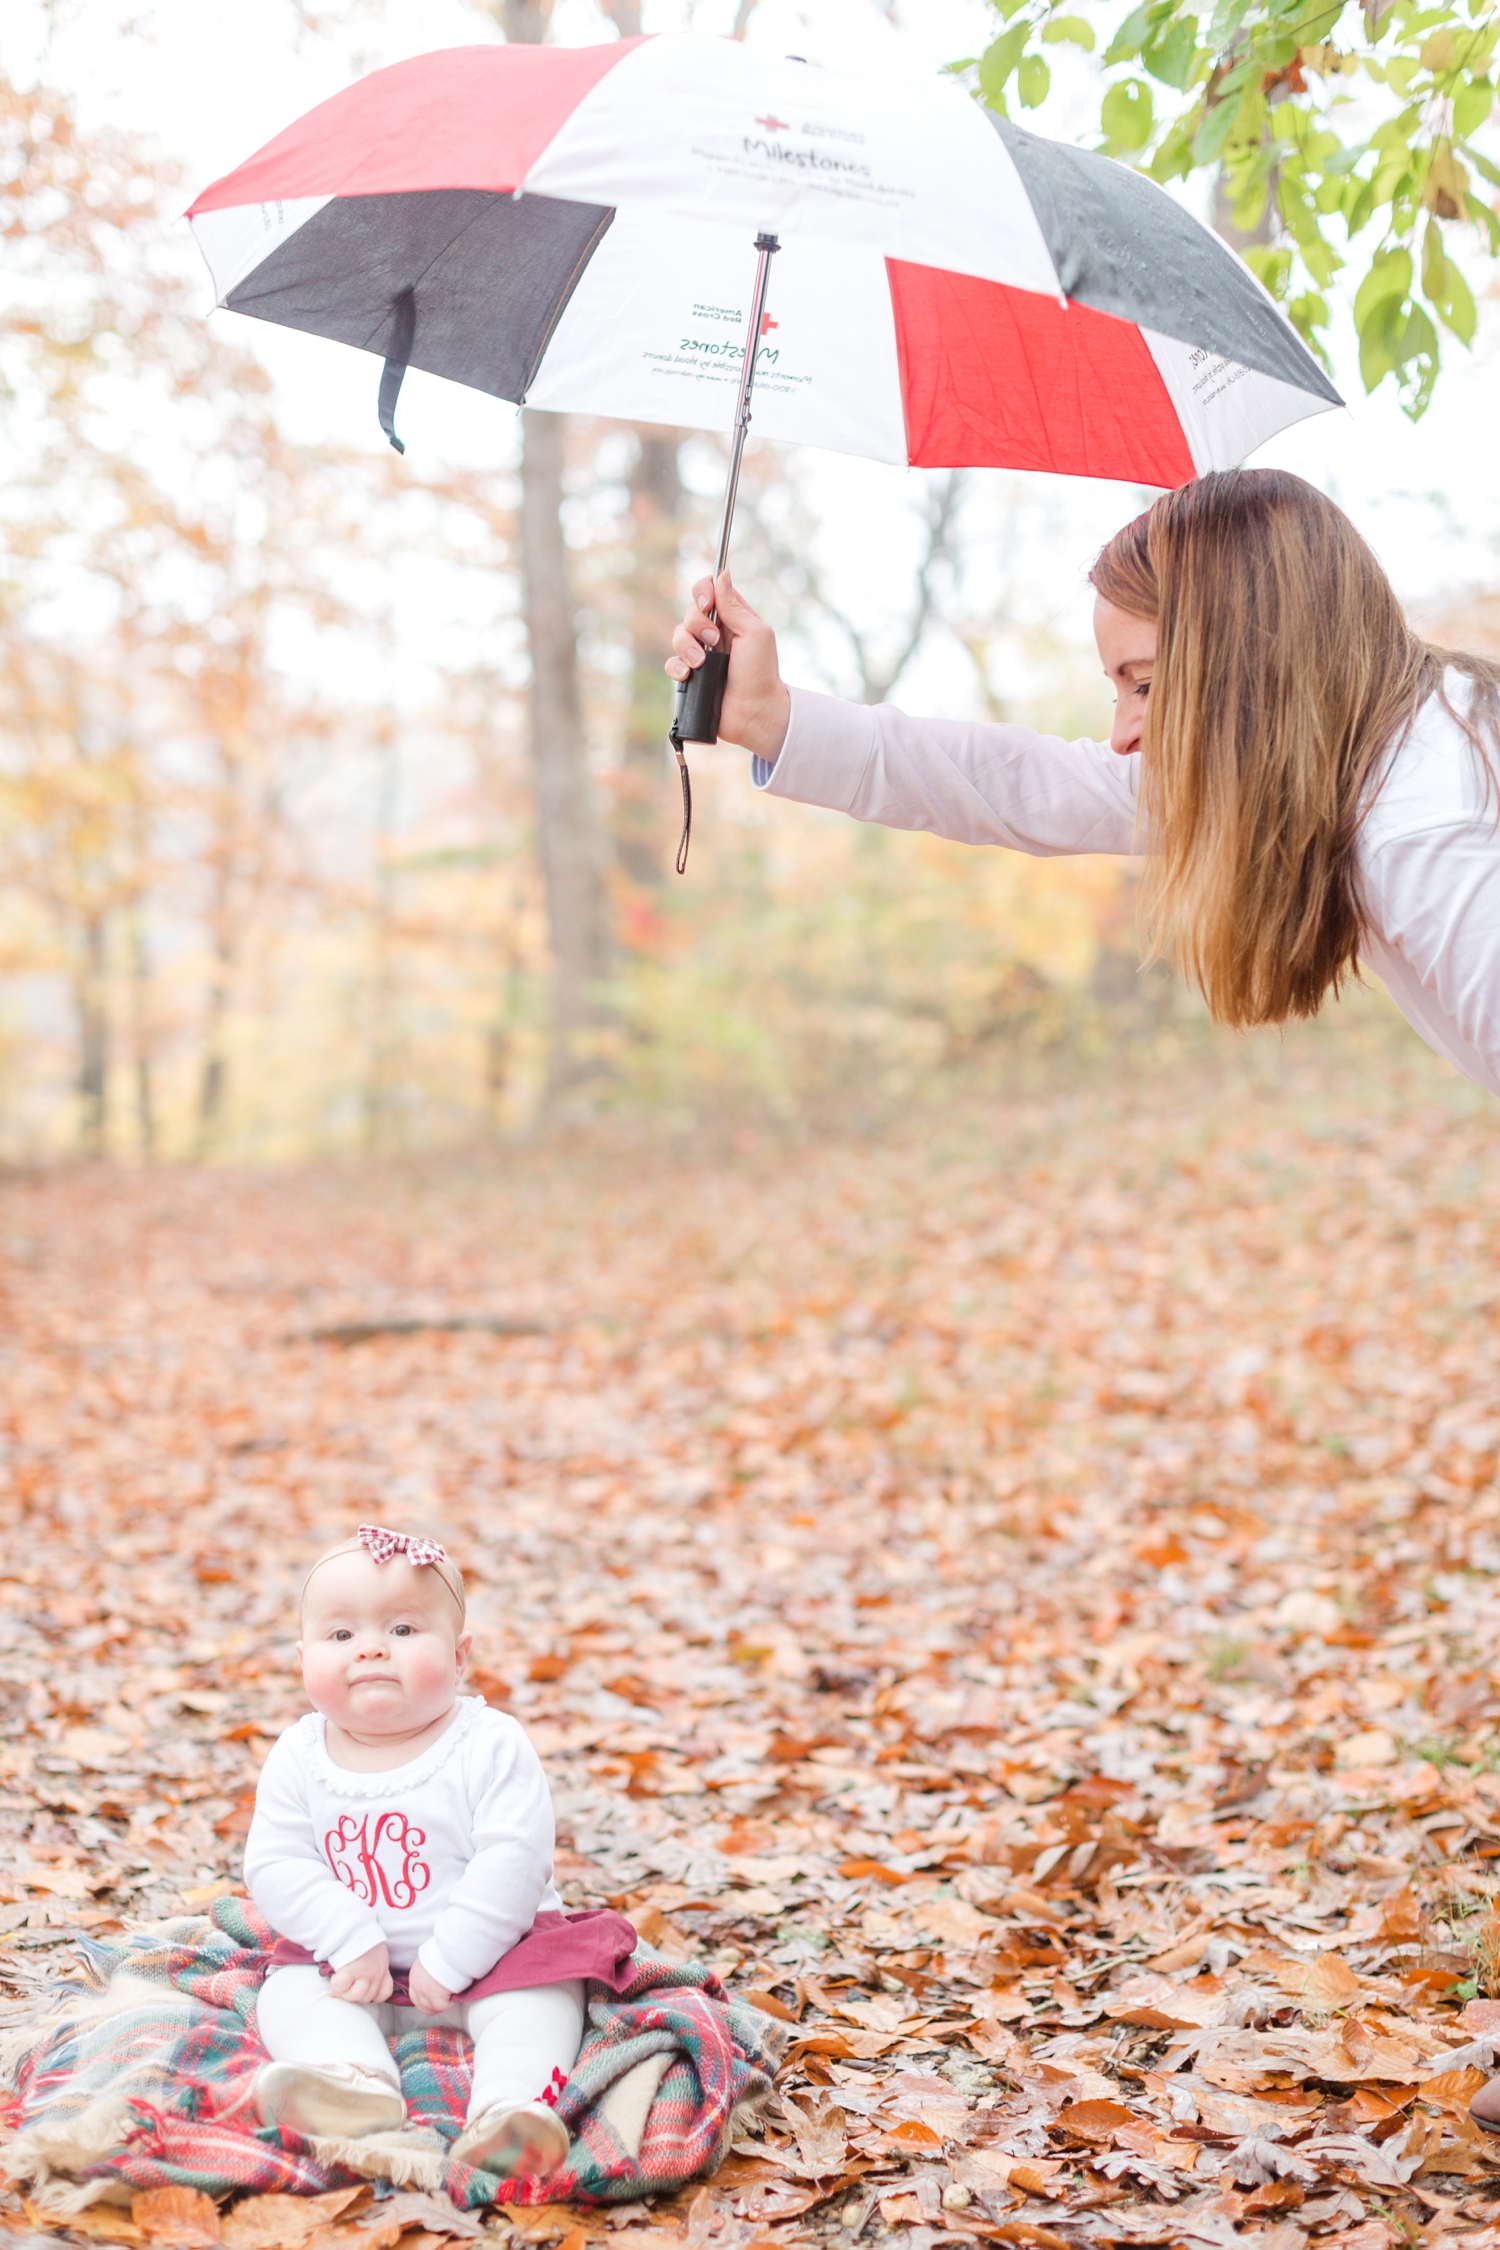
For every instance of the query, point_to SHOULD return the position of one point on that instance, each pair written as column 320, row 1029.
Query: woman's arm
column 976, row 783
column 1432, row 905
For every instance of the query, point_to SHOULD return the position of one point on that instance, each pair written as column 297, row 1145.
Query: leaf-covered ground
column 1020, row 1598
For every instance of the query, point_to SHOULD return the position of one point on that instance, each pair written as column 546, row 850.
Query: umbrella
column 593, row 230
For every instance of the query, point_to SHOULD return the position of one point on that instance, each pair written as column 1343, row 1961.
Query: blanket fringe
column 72, row 2146
column 117, row 1998
column 405, row 2159
column 63, row 2199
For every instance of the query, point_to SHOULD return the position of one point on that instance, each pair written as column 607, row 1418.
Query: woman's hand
column 426, row 1993
column 364, row 1981
column 757, row 708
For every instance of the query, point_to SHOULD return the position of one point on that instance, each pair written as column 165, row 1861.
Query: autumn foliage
column 1015, row 1600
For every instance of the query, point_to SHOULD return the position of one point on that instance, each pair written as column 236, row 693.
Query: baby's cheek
column 432, row 1669
column 322, row 1676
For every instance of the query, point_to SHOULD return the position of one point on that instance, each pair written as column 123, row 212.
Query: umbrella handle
column 700, row 699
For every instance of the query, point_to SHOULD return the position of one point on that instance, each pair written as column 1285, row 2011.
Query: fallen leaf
column 1092, row 2121
column 284, row 2222
column 179, row 2218
column 99, row 2222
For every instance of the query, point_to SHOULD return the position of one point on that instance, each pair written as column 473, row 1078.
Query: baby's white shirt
column 446, row 1861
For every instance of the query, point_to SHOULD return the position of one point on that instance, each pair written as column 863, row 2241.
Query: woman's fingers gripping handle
column 757, row 708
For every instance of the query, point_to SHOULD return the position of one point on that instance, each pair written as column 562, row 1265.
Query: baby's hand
column 365, row 1980
column 426, row 1993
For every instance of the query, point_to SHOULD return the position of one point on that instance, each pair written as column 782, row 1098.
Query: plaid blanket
column 145, row 2080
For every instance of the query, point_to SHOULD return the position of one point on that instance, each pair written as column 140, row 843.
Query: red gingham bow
column 385, row 1545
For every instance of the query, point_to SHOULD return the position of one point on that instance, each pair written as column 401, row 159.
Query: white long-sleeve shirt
column 1428, row 866
column 447, row 1860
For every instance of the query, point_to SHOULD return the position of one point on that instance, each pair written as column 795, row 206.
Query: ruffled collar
column 340, row 1782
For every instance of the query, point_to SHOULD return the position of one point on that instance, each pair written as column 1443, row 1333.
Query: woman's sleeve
column 955, row 777
column 495, row 1900
column 288, row 1877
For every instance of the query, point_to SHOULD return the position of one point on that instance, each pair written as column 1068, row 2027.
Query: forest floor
column 1018, row 1596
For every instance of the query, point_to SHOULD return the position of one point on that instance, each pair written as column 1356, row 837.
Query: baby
column 403, row 1827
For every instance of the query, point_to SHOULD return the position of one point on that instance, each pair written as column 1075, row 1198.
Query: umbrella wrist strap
column 687, row 810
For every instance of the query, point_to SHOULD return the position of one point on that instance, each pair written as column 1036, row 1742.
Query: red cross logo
column 773, row 123
column 767, row 324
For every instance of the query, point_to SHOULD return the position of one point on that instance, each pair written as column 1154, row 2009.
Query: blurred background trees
column 335, row 810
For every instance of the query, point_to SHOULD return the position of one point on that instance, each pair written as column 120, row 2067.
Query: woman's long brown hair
column 1285, row 671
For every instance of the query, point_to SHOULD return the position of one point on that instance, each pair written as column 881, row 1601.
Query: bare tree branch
column 877, row 681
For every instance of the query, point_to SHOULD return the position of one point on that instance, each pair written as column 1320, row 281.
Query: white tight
column 520, row 2038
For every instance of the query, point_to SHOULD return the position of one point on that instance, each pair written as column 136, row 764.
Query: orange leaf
column 283, row 2222
column 1452, row 2089
column 1331, row 1982
column 176, row 2215
column 101, row 2222
column 1093, row 2121
column 768, row 2004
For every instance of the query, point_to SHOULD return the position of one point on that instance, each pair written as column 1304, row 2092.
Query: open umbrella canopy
column 576, row 228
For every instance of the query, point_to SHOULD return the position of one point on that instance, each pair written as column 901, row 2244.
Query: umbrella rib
column 585, row 254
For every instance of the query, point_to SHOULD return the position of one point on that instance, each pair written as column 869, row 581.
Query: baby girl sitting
column 401, row 1827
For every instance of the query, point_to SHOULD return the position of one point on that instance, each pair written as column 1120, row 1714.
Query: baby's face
column 382, row 1648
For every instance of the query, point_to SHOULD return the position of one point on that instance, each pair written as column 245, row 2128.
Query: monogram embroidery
column 380, row 1863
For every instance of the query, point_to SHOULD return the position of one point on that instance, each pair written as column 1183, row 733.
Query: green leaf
column 1032, row 81
column 1480, row 215
column 1483, row 166
column 1393, row 337
column 1375, row 361
column 1130, row 37
column 1215, row 130
column 1170, row 58
column 1445, row 288
column 1073, row 29
column 1471, row 106
column 1272, row 268
column 1307, row 314
column 1225, row 22
column 1000, row 59
column 1126, row 114
column 1388, row 280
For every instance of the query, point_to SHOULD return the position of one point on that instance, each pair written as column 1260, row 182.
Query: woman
column 1314, row 786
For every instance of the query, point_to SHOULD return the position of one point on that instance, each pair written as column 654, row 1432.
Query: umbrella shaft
column 767, row 245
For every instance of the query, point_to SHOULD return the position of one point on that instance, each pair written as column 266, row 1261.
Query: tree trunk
column 380, row 1061
column 140, row 1032
column 213, row 1074
column 93, row 1041
column 569, row 831
column 646, row 790
column 568, row 827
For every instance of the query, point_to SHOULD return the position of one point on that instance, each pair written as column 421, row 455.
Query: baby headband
column 384, row 1546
